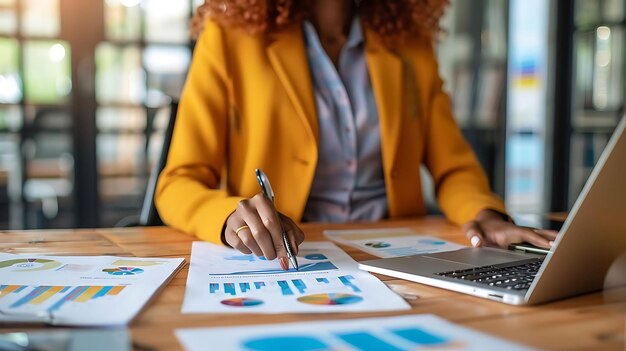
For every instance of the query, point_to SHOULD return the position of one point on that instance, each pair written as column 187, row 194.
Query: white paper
column 79, row 290
column 417, row 332
column 223, row 280
column 392, row 242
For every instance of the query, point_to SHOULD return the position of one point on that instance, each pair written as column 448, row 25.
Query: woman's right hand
column 263, row 235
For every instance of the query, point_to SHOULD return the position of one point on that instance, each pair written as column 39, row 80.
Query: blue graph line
column 309, row 267
column 315, row 257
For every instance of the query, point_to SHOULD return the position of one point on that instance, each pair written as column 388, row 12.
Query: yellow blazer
column 248, row 103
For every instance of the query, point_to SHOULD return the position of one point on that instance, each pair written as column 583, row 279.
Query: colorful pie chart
column 378, row 245
column 30, row 264
column 330, row 299
column 241, row 302
column 123, row 270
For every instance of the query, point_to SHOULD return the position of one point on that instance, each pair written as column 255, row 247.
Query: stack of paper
column 222, row 280
column 419, row 332
column 79, row 290
column 391, row 242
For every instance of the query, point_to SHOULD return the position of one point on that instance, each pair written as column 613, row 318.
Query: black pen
column 266, row 187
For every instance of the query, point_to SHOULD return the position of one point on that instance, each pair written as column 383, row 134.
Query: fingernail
column 475, row 240
column 551, row 243
column 284, row 263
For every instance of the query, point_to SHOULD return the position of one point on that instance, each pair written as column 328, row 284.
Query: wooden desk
column 595, row 321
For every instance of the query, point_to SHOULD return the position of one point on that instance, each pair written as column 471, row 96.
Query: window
column 140, row 63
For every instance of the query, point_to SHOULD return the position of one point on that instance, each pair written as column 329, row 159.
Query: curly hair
column 390, row 19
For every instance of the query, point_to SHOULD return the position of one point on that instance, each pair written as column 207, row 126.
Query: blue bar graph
column 229, row 288
column 361, row 340
column 244, row 287
column 346, row 280
column 284, row 287
column 15, row 288
column 103, row 292
column 299, row 284
column 69, row 297
column 419, row 336
column 31, row 296
column 366, row 342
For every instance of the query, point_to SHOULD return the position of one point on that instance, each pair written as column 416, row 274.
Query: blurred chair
column 149, row 215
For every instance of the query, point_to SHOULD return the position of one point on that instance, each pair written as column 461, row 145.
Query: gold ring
column 241, row 228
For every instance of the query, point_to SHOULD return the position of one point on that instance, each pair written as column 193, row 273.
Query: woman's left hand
column 491, row 229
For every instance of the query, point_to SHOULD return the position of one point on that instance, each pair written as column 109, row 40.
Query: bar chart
column 361, row 340
column 224, row 280
column 286, row 287
column 402, row 333
column 52, row 298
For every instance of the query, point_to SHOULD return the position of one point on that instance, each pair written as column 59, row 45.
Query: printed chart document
column 407, row 333
column 392, row 242
column 223, row 280
column 79, row 290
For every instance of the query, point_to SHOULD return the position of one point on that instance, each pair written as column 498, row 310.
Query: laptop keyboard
column 511, row 277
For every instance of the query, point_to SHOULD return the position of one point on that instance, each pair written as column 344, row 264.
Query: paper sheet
column 392, row 242
column 223, row 280
column 417, row 332
column 79, row 290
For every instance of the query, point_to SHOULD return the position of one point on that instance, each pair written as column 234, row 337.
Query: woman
column 339, row 102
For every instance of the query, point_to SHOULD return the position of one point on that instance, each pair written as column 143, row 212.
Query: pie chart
column 330, row 299
column 241, row 302
column 378, row 244
column 30, row 264
column 123, row 270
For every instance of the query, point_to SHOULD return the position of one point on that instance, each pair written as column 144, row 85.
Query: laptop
column 589, row 249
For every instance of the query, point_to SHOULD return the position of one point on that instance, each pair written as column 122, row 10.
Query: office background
column 85, row 88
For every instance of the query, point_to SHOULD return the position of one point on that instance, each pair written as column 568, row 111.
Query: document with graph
column 222, row 280
column 391, row 242
column 408, row 333
column 79, row 290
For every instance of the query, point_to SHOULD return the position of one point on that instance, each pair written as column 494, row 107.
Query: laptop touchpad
column 480, row 256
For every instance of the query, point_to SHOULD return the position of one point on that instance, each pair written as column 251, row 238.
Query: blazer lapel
column 385, row 69
column 287, row 54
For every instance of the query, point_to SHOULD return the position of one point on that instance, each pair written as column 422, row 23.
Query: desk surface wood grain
column 593, row 321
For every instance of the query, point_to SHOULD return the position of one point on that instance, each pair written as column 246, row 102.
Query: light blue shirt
column 349, row 184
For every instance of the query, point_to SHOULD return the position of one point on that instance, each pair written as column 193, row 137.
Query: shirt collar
column 355, row 37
